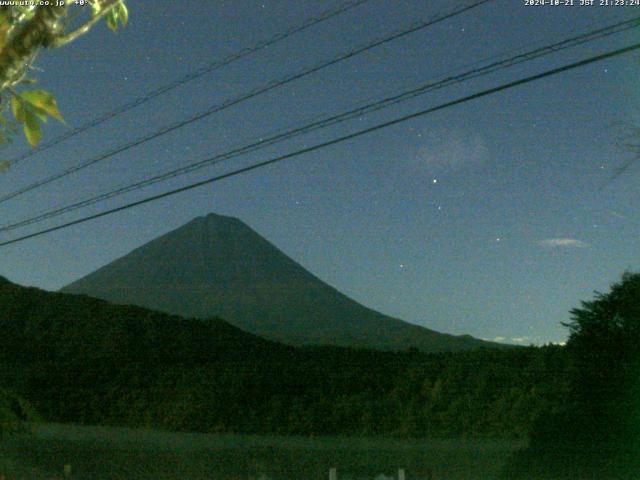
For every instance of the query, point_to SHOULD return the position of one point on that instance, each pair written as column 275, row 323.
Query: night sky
column 492, row 218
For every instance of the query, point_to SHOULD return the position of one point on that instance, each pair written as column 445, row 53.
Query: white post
column 333, row 474
column 401, row 474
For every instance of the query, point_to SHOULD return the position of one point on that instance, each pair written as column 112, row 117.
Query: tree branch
column 38, row 32
column 70, row 37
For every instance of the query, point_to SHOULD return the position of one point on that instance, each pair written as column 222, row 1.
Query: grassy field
column 120, row 453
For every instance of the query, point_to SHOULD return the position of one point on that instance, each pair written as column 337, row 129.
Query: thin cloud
column 496, row 339
column 521, row 341
column 509, row 341
column 446, row 151
column 563, row 243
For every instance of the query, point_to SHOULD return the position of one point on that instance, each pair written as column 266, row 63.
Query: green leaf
column 96, row 8
column 112, row 19
column 118, row 13
column 4, row 166
column 17, row 108
column 32, row 128
column 44, row 103
column 41, row 114
column 123, row 13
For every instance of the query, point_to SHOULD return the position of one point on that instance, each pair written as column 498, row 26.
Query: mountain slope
column 218, row 266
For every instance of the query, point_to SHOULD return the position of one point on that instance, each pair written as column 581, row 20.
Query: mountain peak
column 217, row 265
column 215, row 217
column 214, row 220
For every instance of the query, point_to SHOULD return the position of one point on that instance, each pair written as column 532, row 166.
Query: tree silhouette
column 604, row 345
column 597, row 432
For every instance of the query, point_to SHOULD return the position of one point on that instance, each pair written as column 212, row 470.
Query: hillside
column 218, row 266
column 82, row 360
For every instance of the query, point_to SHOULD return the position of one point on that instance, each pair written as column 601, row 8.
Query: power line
column 212, row 67
column 421, row 113
column 236, row 100
column 335, row 119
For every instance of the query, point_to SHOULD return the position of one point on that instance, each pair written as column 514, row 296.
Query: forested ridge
column 78, row 359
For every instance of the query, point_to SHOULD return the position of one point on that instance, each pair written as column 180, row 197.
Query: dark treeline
column 596, row 431
column 82, row 360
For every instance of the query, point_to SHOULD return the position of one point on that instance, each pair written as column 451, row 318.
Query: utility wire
column 236, row 100
column 212, row 67
column 297, row 153
column 335, row 119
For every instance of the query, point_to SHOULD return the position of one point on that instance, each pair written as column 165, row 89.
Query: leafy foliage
column 119, row 15
column 27, row 27
column 32, row 107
